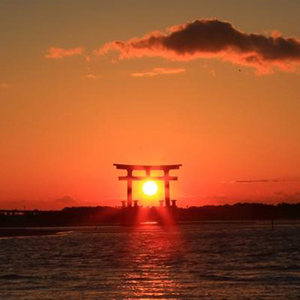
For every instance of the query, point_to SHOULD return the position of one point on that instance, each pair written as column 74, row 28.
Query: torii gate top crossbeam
column 147, row 167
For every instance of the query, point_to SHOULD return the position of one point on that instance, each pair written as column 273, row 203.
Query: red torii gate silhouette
column 148, row 168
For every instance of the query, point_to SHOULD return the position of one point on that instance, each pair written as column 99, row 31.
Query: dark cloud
column 252, row 181
column 260, row 181
column 213, row 38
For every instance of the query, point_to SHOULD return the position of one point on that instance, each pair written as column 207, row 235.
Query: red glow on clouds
column 158, row 71
column 58, row 53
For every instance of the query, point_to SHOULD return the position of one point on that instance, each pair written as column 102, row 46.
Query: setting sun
column 150, row 188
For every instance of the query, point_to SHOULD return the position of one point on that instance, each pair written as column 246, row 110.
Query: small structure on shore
column 130, row 207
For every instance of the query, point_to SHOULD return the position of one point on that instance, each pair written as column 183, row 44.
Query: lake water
column 204, row 261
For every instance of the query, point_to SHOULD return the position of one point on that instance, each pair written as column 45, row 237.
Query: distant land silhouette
column 102, row 215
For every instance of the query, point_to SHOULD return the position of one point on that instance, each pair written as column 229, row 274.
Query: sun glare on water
column 150, row 188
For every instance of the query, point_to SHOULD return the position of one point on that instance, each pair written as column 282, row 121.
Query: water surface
column 204, row 261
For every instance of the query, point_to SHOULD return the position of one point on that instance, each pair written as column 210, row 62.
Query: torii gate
column 147, row 168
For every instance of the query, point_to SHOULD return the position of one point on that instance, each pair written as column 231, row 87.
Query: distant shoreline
column 23, row 232
column 104, row 215
column 49, row 231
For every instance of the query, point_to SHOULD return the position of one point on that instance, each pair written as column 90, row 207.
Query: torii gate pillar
column 129, row 188
column 167, row 188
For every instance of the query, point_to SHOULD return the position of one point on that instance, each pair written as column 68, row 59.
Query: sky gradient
column 72, row 103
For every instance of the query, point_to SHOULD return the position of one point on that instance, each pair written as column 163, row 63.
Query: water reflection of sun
column 151, row 263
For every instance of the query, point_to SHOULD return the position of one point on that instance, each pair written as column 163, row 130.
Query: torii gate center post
column 148, row 168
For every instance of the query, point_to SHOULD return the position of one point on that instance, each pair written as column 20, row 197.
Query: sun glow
column 150, row 188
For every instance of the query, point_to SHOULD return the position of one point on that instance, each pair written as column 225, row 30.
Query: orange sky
column 72, row 103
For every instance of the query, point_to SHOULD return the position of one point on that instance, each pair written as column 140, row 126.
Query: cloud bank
column 158, row 71
column 58, row 53
column 211, row 38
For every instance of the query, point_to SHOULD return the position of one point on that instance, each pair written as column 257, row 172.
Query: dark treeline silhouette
column 100, row 215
